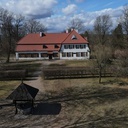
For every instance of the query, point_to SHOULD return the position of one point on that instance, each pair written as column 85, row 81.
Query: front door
column 50, row 56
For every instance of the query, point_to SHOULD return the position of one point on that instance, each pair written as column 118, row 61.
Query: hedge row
column 12, row 74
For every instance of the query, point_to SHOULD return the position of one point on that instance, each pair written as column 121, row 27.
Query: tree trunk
column 9, row 49
column 100, row 73
column 8, row 57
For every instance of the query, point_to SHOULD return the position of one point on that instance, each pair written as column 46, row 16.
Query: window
column 78, row 54
column 28, row 55
column 22, row 55
column 82, row 54
column 56, row 46
column 34, row 55
column 86, row 53
column 64, row 54
column 74, row 37
column 44, row 55
column 71, row 46
column 81, row 46
column 69, row 54
column 85, row 46
column 66, row 46
column 55, row 54
column 77, row 46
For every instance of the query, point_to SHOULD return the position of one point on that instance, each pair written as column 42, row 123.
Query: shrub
column 13, row 74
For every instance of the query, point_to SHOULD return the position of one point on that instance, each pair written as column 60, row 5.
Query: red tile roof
column 25, row 48
column 33, row 42
column 48, row 38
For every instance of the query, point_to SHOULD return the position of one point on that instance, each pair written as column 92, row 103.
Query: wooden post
column 15, row 107
column 32, row 106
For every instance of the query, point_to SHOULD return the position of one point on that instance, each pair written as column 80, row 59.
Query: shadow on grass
column 104, row 122
column 47, row 109
column 101, row 94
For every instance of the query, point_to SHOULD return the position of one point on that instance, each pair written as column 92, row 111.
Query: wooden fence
column 70, row 72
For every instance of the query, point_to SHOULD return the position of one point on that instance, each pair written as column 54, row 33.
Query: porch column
column 60, row 55
column 17, row 55
column 40, row 55
column 74, row 55
column 88, row 55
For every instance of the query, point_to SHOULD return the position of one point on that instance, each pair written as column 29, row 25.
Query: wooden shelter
column 23, row 96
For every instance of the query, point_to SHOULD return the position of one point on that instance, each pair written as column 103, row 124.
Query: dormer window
column 56, row 46
column 44, row 46
column 74, row 37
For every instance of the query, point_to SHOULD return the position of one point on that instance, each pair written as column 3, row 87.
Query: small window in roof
column 44, row 46
column 74, row 37
column 56, row 46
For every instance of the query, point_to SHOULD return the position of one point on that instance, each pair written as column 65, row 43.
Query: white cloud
column 55, row 24
column 60, row 23
column 43, row 11
column 34, row 8
column 70, row 9
column 114, row 14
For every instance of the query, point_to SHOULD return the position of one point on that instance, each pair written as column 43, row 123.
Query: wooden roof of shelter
column 23, row 92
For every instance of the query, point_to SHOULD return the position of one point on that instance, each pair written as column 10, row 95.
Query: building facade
column 53, row 46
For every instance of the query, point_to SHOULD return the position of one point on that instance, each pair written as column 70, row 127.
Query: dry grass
column 71, row 63
column 59, row 85
column 84, row 104
column 89, row 104
column 6, row 87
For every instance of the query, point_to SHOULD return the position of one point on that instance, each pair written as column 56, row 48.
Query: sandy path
column 38, row 82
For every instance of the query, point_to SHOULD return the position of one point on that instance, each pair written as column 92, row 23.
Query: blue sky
column 57, row 14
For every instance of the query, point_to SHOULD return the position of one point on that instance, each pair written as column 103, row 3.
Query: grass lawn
column 6, row 87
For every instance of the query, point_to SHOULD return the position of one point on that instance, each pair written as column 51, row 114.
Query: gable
column 74, row 38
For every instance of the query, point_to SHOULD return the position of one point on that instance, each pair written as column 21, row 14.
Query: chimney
column 72, row 29
column 66, row 30
column 76, row 30
column 40, row 34
column 86, row 38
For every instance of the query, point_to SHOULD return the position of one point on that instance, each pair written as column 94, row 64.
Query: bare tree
column 118, row 38
column 101, row 50
column 76, row 24
column 102, row 27
column 33, row 26
column 19, row 22
column 6, row 21
column 124, row 19
column 124, row 23
column 102, row 54
column 122, row 63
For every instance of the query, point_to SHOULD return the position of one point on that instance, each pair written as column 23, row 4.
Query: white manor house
column 69, row 45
